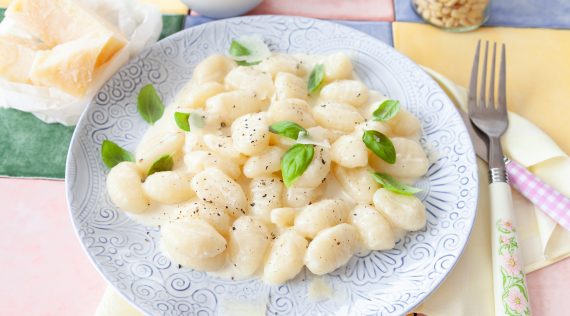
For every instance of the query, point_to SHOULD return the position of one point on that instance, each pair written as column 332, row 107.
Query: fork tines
column 483, row 101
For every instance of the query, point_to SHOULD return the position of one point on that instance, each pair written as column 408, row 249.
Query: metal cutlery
column 489, row 115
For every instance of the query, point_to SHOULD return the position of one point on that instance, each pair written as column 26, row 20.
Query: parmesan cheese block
column 68, row 67
column 75, row 41
column 16, row 59
column 56, row 22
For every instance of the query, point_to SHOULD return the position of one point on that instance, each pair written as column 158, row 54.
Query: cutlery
column 489, row 115
column 548, row 199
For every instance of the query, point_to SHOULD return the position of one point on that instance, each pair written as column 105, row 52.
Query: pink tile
column 548, row 289
column 43, row 268
column 372, row 10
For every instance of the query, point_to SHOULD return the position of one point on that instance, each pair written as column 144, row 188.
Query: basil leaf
column 113, row 154
column 287, row 128
column 380, row 144
column 182, row 120
column 149, row 104
column 237, row 49
column 387, row 110
column 163, row 163
column 295, row 161
column 389, row 183
column 245, row 63
column 316, row 78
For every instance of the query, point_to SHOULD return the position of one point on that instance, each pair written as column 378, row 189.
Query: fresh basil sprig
column 149, row 104
column 287, row 128
column 181, row 120
column 389, row 183
column 113, row 154
column 237, row 49
column 380, row 145
column 295, row 161
column 316, row 78
column 387, row 110
column 164, row 163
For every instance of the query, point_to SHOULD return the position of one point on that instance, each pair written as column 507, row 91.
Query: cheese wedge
column 16, row 58
column 69, row 67
column 57, row 22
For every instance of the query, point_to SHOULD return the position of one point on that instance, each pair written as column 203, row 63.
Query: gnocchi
column 224, row 202
column 335, row 115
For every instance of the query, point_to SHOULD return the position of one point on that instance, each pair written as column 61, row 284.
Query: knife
column 555, row 204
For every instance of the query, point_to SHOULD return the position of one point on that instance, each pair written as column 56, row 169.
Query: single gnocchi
column 264, row 164
column 213, row 186
column 357, row 182
column 294, row 110
column 281, row 63
column 352, row 92
column 194, row 237
column 249, row 79
column 213, row 68
column 286, row 257
column 265, row 195
column 318, row 216
column 331, row 248
column 411, row 160
column 168, row 187
column 289, row 86
column 250, row 134
column 339, row 116
column 125, row 188
column 403, row 211
column 375, row 231
column 249, row 240
column 233, row 104
column 349, row 151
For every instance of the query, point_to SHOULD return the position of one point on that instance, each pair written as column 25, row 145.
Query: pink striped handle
column 553, row 203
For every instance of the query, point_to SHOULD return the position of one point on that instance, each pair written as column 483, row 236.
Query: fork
column 489, row 115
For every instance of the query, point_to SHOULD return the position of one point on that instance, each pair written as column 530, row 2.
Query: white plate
column 380, row 283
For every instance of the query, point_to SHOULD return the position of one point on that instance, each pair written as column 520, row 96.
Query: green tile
column 171, row 24
column 2, row 14
column 30, row 147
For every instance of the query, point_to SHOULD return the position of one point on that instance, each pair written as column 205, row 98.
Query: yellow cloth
column 538, row 71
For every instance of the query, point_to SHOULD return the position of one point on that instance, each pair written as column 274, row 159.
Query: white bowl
column 220, row 9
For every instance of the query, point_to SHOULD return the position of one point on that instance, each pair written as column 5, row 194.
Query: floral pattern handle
column 514, row 292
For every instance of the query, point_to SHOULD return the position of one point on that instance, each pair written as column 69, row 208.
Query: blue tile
column 379, row 30
column 520, row 13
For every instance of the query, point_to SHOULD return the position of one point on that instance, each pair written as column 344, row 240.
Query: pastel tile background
column 45, row 272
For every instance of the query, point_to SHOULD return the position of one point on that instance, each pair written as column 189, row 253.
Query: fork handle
column 553, row 203
column 511, row 295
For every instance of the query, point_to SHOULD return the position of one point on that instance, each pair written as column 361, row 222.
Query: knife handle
column 553, row 203
column 510, row 291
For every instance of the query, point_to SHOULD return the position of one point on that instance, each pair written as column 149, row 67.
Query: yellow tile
column 4, row 3
column 168, row 6
column 538, row 67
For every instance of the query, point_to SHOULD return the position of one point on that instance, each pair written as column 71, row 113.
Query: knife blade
column 480, row 141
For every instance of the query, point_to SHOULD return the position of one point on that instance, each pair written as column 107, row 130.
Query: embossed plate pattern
column 379, row 283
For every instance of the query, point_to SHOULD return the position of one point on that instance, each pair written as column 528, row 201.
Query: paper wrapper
column 140, row 23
